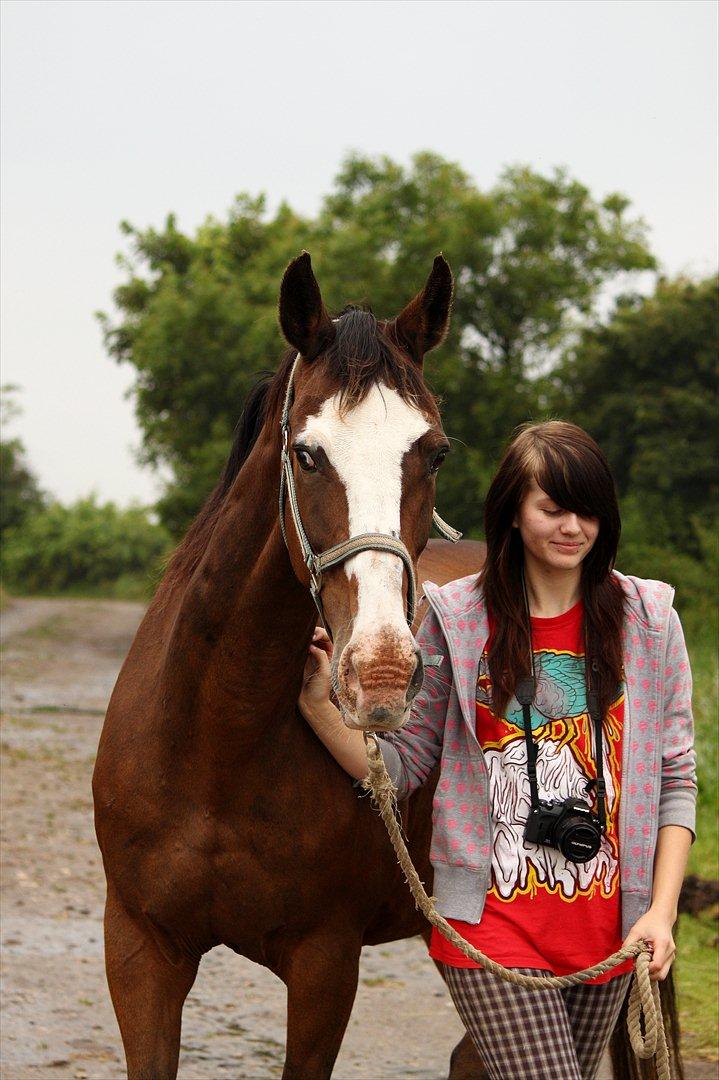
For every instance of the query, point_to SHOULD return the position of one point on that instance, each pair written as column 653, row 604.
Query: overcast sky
column 128, row 109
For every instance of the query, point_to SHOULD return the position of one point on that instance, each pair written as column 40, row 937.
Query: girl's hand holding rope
column 655, row 928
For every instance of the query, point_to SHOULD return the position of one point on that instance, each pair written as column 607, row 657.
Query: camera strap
column 525, row 696
column 596, row 718
column 525, row 691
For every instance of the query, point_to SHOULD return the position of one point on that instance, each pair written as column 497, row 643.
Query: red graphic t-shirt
column 543, row 911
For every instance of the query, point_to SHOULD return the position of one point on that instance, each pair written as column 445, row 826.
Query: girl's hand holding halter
column 316, row 679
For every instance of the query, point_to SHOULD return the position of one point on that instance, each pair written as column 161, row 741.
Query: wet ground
column 60, row 661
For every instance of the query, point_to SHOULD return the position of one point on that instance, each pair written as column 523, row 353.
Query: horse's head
column 366, row 441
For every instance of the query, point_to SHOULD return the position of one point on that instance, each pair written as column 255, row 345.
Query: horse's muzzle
column 378, row 679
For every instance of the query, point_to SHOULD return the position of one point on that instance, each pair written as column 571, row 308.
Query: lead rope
column 644, row 1008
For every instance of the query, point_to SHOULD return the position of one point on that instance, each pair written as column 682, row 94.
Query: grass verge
column 698, row 984
column 697, row 964
column 702, row 645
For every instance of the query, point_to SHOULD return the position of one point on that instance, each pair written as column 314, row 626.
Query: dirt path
column 21, row 616
column 60, row 661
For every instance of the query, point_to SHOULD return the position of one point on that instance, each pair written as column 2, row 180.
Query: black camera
column 569, row 825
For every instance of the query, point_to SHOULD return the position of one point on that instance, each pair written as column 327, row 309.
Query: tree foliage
column 86, row 544
column 20, row 494
column 197, row 320
column 645, row 385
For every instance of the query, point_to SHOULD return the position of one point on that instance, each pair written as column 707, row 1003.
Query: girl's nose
column 570, row 524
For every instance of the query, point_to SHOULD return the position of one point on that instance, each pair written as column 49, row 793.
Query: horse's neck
column 242, row 630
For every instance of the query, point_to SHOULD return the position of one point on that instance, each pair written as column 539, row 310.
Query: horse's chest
column 210, row 854
column 248, row 855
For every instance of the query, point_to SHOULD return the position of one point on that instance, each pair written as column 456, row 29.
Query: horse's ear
column 425, row 321
column 304, row 318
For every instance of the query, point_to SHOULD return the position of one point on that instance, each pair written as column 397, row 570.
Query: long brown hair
column 569, row 466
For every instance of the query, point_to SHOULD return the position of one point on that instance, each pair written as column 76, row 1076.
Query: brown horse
column 220, row 816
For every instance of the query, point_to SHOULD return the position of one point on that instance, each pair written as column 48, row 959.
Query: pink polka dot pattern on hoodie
column 658, row 765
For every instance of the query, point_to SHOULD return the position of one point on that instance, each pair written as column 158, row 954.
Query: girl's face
column 555, row 538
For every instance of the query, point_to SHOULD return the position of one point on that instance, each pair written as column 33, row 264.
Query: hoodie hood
column 649, row 601
column 456, row 597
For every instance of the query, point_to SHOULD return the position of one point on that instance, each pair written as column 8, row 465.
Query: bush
column 647, row 551
column 84, row 547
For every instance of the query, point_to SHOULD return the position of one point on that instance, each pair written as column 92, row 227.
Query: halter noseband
column 374, row 541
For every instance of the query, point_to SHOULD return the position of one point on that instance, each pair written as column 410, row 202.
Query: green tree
column 197, row 315
column 199, row 323
column 20, row 495
column 529, row 257
column 83, row 546
column 645, row 385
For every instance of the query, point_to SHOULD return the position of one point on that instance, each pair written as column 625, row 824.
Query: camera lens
column 578, row 840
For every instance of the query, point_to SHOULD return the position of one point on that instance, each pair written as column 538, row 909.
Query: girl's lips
column 567, row 547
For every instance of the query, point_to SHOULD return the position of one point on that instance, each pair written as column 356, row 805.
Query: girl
column 542, row 668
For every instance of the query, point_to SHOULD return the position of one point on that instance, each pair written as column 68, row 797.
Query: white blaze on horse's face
column 366, row 448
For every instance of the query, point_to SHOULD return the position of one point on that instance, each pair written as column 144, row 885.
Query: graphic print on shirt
column 566, row 760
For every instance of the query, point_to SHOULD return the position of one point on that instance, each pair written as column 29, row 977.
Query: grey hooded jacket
column 658, row 780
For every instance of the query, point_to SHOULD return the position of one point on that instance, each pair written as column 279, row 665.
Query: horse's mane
column 363, row 353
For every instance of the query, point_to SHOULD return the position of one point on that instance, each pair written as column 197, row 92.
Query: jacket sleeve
column 677, row 800
column 411, row 753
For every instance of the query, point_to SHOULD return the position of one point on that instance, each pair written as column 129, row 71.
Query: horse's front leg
column 147, row 991
column 320, row 971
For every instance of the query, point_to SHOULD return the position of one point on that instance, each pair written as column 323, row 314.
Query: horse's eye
column 437, row 460
column 305, row 460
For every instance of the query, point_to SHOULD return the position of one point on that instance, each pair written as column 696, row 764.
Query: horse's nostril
column 346, row 671
column 415, row 683
column 351, row 676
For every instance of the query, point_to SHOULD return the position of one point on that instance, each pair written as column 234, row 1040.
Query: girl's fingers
column 662, row 960
column 321, row 640
column 320, row 655
column 662, row 973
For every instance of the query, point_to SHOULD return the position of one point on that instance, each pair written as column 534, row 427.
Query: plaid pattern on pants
column 526, row 1034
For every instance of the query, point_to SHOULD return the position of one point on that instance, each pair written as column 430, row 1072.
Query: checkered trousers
column 526, row 1034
